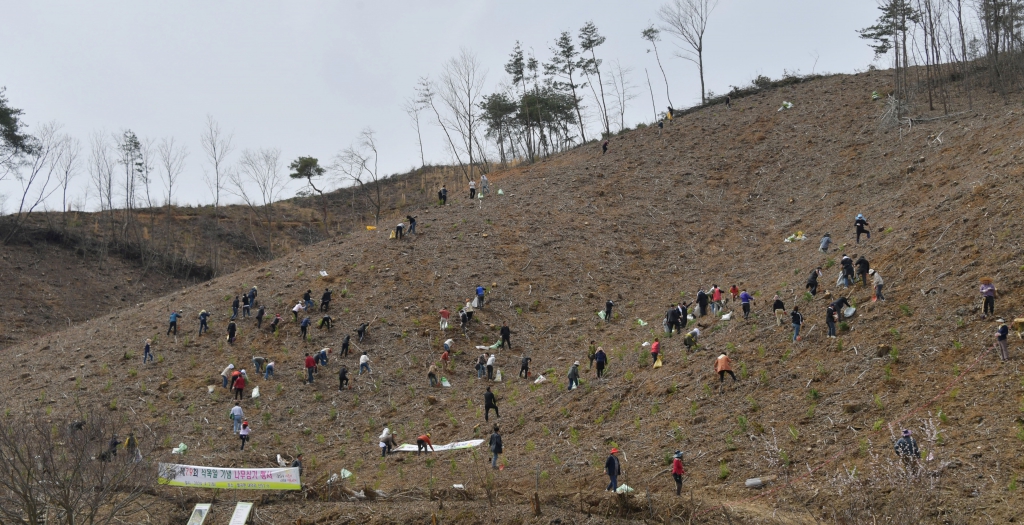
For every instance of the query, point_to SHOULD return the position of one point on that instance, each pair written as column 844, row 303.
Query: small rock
column 26, row 375
column 484, row 235
column 163, row 386
column 431, row 400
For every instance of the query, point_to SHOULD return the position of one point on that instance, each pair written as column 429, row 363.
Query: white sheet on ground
column 458, row 445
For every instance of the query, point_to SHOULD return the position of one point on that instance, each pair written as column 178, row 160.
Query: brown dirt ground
column 708, row 201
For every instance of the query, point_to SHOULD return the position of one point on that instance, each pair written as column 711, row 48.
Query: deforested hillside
column 710, row 199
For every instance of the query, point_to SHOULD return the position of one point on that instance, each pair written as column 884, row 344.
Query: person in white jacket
column 364, row 362
column 490, row 367
column 387, row 440
column 876, row 280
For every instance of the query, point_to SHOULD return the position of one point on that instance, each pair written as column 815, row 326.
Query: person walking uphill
column 342, row 377
column 826, row 241
column 746, row 299
column 364, row 363
column 146, row 352
column 863, row 267
column 876, row 280
column 173, row 327
column 812, row 281
column 259, row 316
column 304, row 327
column 234, row 308
column 204, row 326
column 480, row 296
column 490, row 402
column 724, row 366
column 608, row 310
column 232, row 330
column 310, row 364
column 613, row 468
column 574, row 375
column 600, row 359
column 798, row 321
column 988, row 294
column 239, row 387
column 236, row 416
column 325, row 300
column 495, row 446
column 243, row 434
column 830, row 321
column 780, row 310
column 655, row 349
column 862, row 227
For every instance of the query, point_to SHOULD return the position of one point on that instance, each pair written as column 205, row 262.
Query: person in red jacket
column 310, row 366
column 422, row 443
column 238, row 386
column 655, row 348
column 678, row 471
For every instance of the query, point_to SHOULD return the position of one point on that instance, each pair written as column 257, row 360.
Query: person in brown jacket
column 723, row 365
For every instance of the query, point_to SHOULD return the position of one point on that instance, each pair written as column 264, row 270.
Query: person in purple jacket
column 746, row 299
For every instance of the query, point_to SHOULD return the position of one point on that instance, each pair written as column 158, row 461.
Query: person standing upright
column 1001, row 343
column 490, row 403
column 506, row 335
column 613, row 468
column 495, row 446
column 862, row 226
column 745, row 300
column 988, row 294
column 608, row 310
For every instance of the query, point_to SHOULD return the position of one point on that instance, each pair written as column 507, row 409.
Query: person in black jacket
column 344, row 346
column 245, row 305
column 490, row 402
column 608, row 310
column 830, row 321
column 812, row 281
column 412, row 224
column 361, row 331
column 798, row 320
column 234, row 308
column 524, row 367
column 702, row 303
column 780, row 310
column 231, row 332
column 847, row 264
column 325, row 300
column 862, row 269
column 672, row 320
column 505, row 335
column 259, row 316
column 495, row 445
column 613, row 468
column 342, row 377
column 906, row 447
column 862, row 227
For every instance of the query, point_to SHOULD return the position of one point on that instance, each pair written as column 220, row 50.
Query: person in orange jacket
column 422, row 443
column 678, row 471
column 723, row 365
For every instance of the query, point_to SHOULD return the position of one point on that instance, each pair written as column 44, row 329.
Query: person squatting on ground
column 613, row 468
column 690, row 339
column 326, row 322
column 574, row 375
column 490, row 402
column 495, row 446
column 342, row 377
column 826, row 241
column 724, row 366
column 422, row 442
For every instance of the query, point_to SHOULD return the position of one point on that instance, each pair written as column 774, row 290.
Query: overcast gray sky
column 307, row 76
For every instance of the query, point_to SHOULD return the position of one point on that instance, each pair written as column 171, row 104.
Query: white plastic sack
column 256, row 392
column 641, row 322
column 540, row 379
column 624, row 489
column 323, row 273
column 497, row 376
column 500, row 192
column 848, row 311
column 726, row 317
column 209, row 388
column 601, row 314
column 646, row 343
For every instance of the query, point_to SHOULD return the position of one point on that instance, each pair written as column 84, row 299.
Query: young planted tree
column 261, row 169
column 358, row 163
column 590, row 39
column 687, row 20
column 653, row 35
column 565, row 67
column 309, row 168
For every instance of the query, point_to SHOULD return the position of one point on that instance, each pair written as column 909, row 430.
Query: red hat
column 615, row 451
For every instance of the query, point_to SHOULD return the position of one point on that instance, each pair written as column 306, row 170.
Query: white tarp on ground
column 458, row 445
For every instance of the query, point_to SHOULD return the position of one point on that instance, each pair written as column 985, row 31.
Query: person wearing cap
column 432, row 375
column 275, row 323
column 243, row 433
column 655, row 349
column 203, row 325
column 574, row 375
column 988, row 294
column 422, row 443
column 876, row 280
column 1001, row 334
column 613, row 468
column 226, row 374
column 495, row 446
column 862, row 227
column 678, row 471
column 723, row 365
column 825, row 242
column 236, row 417
column 600, row 358
column 906, row 447
column 146, row 352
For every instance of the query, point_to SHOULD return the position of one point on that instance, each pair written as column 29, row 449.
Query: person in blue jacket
column 174, row 322
column 480, row 296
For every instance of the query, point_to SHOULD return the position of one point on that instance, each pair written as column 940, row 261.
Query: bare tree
column 263, row 170
column 217, row 146
column 358, row 163
column 37, row 177
column 67, row 169
column 687, row 20
column 172, row 164
column 460, row 88
column 622, row 89
column 101, row 171
column 412, row 108
column 68, row 472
